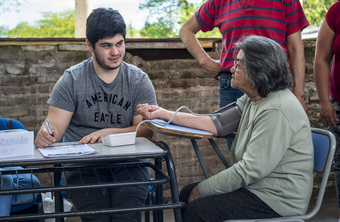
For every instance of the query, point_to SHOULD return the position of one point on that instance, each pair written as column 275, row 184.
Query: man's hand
column 301, row 99
column 212, row 67
column 96, row 136
column 43, row 138
column 299, row 94
column 328, row 114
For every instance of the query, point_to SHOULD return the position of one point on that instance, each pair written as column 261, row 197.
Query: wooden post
column 81, row 13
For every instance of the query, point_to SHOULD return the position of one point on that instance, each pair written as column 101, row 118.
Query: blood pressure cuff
column 227, row 119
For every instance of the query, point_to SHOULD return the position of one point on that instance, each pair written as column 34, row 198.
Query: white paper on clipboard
column 62, row 150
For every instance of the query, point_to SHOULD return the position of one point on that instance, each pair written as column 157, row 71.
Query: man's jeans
column 103, row 198
column 336, row 160
column 16, row 182
column 227, row 95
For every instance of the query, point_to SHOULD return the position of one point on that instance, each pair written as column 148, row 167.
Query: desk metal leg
column 158, row 215
column 59, row 206
column 219, row 153
column 173, row 186
column 200, row 158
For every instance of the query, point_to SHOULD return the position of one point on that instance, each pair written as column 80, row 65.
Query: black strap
column 9, row 124
column 225, row 73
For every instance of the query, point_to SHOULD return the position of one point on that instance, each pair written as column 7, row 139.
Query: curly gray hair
column 265, row 63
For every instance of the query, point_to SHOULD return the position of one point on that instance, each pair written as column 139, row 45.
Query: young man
column 95, row 98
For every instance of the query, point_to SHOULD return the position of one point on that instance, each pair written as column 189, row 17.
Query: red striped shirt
column 275, row 19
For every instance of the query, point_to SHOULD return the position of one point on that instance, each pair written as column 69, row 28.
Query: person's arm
column 97, row 136
column 182, row 119
column 296, row 56
column 187, row 34
column 323, row 58
column 262, row 155
column 58, row 120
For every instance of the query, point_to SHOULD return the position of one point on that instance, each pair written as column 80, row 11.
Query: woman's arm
column 182, row 119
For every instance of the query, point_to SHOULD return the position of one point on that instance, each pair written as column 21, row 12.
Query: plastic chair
column 324, row 147
column 6, row 124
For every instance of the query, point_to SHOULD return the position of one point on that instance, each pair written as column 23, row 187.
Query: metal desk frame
column 143, row 149
column 193, row 137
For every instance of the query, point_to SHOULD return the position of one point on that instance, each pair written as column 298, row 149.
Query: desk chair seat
column 324, row 147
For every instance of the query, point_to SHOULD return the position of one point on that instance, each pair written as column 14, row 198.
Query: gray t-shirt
column 97, row 105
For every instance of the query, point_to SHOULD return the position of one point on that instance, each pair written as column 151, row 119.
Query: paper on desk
column 67, row 150
column 160, row 123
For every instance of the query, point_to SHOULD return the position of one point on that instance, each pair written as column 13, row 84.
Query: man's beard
column 103, row 65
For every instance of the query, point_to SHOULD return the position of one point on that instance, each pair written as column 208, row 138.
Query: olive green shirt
column 271, row 156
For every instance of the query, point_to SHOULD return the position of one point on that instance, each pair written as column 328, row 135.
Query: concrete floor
column 329, row 211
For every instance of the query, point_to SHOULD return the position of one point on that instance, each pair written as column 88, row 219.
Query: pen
column 48, row 127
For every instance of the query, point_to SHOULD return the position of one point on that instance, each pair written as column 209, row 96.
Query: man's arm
column 296, row 56
column 58, row 120
column 97, row 136
column 187, row 34
column 323, row 58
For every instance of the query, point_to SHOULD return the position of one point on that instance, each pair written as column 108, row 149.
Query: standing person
column 281, row 21
column 267, row 178
column 327, row 79
column 95, row 98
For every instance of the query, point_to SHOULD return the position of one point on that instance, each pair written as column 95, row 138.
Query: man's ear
column 89, row 46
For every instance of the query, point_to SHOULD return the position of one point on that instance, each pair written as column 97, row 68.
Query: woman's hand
column 149, row 111
column 194, row 195
column 96, row 136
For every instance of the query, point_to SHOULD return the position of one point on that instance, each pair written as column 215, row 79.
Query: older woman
column 272, row 154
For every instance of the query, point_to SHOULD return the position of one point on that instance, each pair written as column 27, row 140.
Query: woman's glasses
column 236, row 65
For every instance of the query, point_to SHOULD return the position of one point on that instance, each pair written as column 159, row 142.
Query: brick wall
column 30, row 68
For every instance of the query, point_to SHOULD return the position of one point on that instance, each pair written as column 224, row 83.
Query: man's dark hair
column 103, row 23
